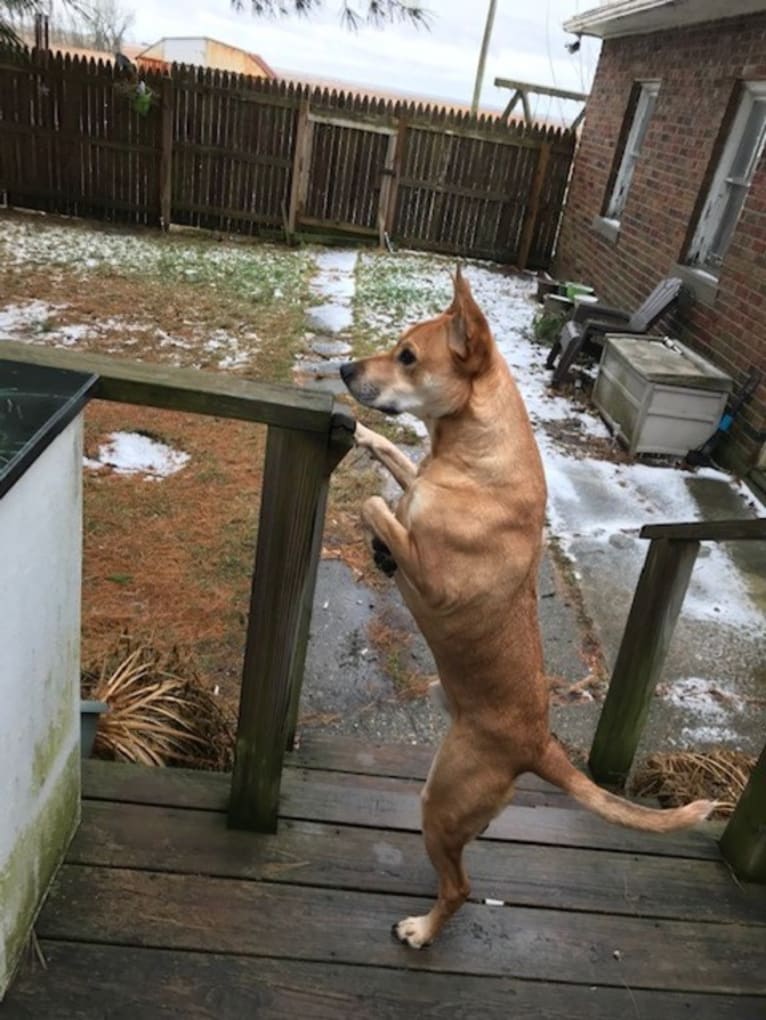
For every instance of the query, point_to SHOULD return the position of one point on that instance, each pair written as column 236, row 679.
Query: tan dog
column 466, row 540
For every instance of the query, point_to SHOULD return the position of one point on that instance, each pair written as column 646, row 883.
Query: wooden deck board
column 161, row 911
column 349, row 857
column 90, row 983
column 384, row 802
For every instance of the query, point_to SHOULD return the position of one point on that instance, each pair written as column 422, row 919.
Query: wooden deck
column 161, row 911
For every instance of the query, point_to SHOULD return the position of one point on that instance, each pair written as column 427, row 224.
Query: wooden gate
column 343, row 173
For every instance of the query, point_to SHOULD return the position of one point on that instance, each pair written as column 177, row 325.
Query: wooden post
column 533, row 205
column 291, row 504
column 166, row 152
column 393, row 192
column 653, row 614
column 743, row 843
column 525, row 105
column 386, row 186
column 301, row 156
column 511, row 104
column 341, row 441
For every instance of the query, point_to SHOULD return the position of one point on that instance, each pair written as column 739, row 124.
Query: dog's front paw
column 382, row 555
column 364, row 438
column 413, row 932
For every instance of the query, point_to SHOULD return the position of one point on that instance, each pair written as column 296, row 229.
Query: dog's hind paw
column 413, row 932
column 381, row 554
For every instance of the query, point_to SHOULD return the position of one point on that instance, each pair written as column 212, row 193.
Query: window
column 642, row 114
column 731, row 181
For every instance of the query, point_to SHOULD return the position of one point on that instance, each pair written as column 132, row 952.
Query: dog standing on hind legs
column 465, row 544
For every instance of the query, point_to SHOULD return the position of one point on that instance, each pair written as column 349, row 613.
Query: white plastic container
column 657, row 395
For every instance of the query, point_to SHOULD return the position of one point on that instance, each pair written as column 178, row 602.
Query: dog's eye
column 406, row 357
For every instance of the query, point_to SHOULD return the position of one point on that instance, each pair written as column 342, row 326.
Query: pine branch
column 353, row 14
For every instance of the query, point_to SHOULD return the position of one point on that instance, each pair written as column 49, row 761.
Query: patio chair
column 591, row 322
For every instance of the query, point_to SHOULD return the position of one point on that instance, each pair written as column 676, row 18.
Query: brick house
column 670, row 179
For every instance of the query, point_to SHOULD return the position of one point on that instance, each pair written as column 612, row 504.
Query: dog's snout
column 348, row 371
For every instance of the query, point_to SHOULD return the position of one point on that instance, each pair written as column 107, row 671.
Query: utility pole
column 483, row 56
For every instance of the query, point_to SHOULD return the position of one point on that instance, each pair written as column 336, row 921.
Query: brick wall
column 699, row 69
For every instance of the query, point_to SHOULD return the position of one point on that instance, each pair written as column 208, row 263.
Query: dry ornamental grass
column 679, row 777
column 159, row 712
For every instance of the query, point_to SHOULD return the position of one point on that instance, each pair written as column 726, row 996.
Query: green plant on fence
column 546, row 327
column 138, row 94
column 143, row 99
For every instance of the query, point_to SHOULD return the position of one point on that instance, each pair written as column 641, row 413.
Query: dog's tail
column 555, row 767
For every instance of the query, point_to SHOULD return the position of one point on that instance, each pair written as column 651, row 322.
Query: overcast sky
column 527, row 44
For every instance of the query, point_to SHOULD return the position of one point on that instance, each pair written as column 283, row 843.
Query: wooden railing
column 653, row 614
column 307, row 437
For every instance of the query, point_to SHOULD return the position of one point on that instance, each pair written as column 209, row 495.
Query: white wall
column 40, row 568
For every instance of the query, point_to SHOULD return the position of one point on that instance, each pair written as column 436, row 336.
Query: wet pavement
column 348, row 687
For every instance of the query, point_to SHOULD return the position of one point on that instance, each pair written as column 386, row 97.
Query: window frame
column 717, row 205
column 641, row 111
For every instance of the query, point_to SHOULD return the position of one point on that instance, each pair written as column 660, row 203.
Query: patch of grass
column 120, row 578
column 263, row 273
column 392, row 292
column 187, row 301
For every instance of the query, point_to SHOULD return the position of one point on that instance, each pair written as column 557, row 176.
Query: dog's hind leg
column 389, row 455
column 460, row 799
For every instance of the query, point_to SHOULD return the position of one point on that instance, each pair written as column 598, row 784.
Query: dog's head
column 431, row 370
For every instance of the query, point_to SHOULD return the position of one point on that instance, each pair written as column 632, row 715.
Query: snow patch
column 130, row 453
column 702, row 696
column 30, row 316
column 693, row 736
column 330, row 318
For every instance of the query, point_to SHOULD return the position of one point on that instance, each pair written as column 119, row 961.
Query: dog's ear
column 468, row 332
column 457, row 282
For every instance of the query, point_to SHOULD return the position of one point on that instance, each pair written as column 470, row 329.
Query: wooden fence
column 238, row 154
